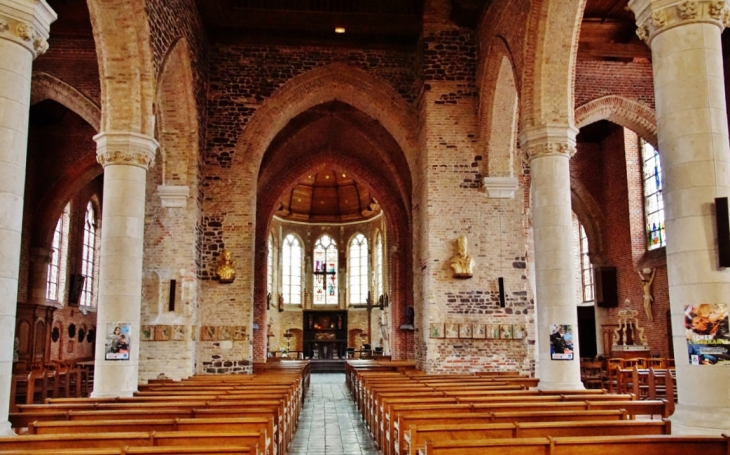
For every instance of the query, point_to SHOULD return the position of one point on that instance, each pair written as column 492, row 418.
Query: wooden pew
column 417, row 436
column 194, row 450
column 597, row 445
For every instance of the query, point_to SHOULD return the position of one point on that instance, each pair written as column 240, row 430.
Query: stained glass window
column 325, row 271
column 270, row 266
column 56, row 281
column 88, row 256
column 586, row 268
column 292, row 270
column 358, row 269
column 379, row 264
column 653, row 201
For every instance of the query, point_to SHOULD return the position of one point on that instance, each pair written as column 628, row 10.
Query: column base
column 6, row 430
column 544, row 385
column 697, row 420
column 118, row 393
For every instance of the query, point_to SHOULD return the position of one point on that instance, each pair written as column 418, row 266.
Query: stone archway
column 45, row 86
column 623, row 111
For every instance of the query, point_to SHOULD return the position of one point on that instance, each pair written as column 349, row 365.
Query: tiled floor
column 330, row 423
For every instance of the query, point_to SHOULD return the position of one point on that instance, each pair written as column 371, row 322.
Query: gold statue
column 462, row 264
column 646, row 285
column 226, row 270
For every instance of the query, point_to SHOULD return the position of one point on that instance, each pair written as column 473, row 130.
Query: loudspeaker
column 723, row 231
column 502, row 302
column 606, row 287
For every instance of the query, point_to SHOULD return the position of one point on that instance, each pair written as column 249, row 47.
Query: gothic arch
column 591, row 216
column 340, row 82
column 47, row 87
column 122, row 37
column 623, row 111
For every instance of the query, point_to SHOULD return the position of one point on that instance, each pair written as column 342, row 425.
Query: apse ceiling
column 327, row 196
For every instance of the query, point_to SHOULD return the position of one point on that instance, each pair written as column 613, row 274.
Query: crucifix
column 322, row 273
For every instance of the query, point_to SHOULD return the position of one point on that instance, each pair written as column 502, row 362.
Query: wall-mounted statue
column 647, row 278
column 226, row 270
column 462, row 264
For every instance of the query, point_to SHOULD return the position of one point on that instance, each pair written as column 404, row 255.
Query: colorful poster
column 561, row 342
column 118, row 340
column 708, row 337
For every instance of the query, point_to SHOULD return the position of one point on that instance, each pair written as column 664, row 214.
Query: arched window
column 653, row 200
column 270, row 266
column 358, row 269
column 325, row 271
column 586, row 268
column 379, row 264
column 88, row 256
column 292, row 270
column 56, row 281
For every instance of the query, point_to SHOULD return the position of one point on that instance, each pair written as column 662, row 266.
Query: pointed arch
column 126, row 69
column 48, row 87
column 591, row 216
column 626, row 112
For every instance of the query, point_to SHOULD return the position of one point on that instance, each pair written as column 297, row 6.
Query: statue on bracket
column 647, row 278
column 462, row 264
column 226, row 270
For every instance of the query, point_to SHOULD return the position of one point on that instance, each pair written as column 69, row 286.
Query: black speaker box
column 723, row 231
column 502, row 302
column 606, row 287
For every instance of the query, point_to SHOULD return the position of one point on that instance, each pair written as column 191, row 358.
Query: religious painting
column 519, row 331
column 451, row 330
column 163, row 333
column 118, row 339
column 239, row 333
column 505, row 331
column 178, row 332
column 707, row 333
column 147, row 333
column 209, row 333
column 436, row 330
column 561, row 342
column 493, row 331
column 465, row 330
column 325, row 271
column 479, row 331
column 225, row 333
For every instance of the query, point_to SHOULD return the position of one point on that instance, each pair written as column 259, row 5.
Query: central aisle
column 330, row 423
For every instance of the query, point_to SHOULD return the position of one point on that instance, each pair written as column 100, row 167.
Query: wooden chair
column 611, row 378
column 591, row 374
column 656, row 362
column 637, row 361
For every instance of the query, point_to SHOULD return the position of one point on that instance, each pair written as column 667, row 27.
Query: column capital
column 27, row 23
column 656, row 16
column 125, row 148
column 548, row 140
column 41, row 254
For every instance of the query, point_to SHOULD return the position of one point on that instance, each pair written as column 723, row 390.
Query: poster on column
column 708, row 337
column 561, row 342
column 118, row 338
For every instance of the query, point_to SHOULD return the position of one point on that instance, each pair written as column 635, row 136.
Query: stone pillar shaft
column 24, row 27
column 126, row 158
column 695, row 158
column 40, row 258
column 549, row 151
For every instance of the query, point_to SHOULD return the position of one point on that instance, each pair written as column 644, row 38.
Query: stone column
column 693, row 145
column 549, row 150
column 24, row 27
column 126, row 157
column 40, row 257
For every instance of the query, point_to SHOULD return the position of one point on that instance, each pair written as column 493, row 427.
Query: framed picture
column 178, row 332
column 162, row 333
column 451, row 330
column 436, row 330
column 505, row 331
column 118, row 341
column 479, row 331
column 209, row 333
column 239, row 332
column 147, row 333
column 225, row 333
column 561, row 342
column 465, row 330
column 519, row 331
column 493, row 331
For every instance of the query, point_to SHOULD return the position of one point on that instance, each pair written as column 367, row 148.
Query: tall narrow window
column 292, row 270
column 379, row 264
column 56, row 281
column 88, row 256
column 270, row 266
column 358, row 269
column 325, row 271
column 586, row 268
column 653, row 201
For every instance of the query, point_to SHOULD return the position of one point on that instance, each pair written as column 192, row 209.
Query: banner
column 708, row 337
column 118, row 340
column 561, row 342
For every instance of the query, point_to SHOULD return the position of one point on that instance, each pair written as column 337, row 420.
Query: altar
column 325, row 334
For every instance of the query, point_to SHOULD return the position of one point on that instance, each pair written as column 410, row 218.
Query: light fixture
column 339, row 29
